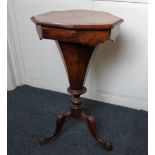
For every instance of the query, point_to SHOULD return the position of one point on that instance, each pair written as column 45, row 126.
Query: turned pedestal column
column 77, row 33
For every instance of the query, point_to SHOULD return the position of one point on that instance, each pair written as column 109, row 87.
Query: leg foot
column 90, row 120
column 59, row 124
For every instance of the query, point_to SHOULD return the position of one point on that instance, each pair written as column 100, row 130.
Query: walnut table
column 77, row 33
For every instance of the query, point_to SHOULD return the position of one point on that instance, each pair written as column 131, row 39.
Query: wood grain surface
column 77, row 19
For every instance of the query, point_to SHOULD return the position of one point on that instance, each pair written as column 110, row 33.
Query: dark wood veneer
column 77, row 33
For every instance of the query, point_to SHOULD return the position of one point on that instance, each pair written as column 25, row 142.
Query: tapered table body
column 77, row 33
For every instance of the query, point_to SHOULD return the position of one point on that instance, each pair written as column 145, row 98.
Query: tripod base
column 88, row 119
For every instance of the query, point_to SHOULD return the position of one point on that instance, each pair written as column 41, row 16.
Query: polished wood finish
column 88, row 119
column 77, row 33
column 77, row 19
column 88, row 37
column 76, row 57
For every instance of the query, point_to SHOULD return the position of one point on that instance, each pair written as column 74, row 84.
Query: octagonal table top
column 77, row 19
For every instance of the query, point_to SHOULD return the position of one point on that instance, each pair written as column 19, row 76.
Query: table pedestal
column 76, row 59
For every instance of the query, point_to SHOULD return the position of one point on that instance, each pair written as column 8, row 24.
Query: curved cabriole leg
column 90, row 120
column 59, row 124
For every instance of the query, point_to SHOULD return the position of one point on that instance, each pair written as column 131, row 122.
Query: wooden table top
column 77, row 19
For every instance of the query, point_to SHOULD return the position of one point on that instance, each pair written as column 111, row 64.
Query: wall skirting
column 96, row 95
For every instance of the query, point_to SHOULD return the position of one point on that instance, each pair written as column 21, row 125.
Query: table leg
column 59, row 124
column 91, row 123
